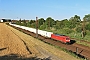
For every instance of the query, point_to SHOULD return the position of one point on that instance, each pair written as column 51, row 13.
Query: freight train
column 62, row 38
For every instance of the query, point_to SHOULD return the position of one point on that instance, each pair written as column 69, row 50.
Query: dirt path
column 42, row 50
column 10, row 44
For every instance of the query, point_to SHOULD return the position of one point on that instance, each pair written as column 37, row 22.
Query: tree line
column 66, row 26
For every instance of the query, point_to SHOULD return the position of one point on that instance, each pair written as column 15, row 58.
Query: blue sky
column 57, row 9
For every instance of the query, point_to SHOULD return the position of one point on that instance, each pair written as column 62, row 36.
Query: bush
column 79, row 29
column 88, row 27
column 67, row 31
column 42, row 27
column 88, row 33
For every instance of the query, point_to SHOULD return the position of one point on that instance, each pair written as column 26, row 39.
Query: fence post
column 76, row 50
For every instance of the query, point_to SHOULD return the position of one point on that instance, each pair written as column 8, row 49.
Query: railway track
column 80, row 50
column 82, row 41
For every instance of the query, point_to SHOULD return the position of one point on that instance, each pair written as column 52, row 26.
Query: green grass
column 69, row 52
column 83, row 43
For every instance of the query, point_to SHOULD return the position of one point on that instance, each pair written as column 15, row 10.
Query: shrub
column 88, row 27
column 79, row 29
column 88, row 33
column 67, row 31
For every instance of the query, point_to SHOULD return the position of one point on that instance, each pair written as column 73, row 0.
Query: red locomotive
column 62, row 38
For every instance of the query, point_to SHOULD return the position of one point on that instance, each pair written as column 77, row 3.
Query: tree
column 87, row 17
column 74, row 21
column 50, row 22
column 43, row 27
column 78, row 29
column 24, row 22
column 58, row 25
column 33, row 25
column 88, row 26
column 32, row 21
column 67, row 31
column 77, row 18
column 65, row 23
column 83, row 28
column 19, row 22
column 41, row 21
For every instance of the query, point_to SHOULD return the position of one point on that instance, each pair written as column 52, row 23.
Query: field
column 17, row 45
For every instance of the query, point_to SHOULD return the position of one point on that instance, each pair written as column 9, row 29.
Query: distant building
column 14, row 21
column 26, row 21
column 1, row 20
column 5, row 20
column 22, row 21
